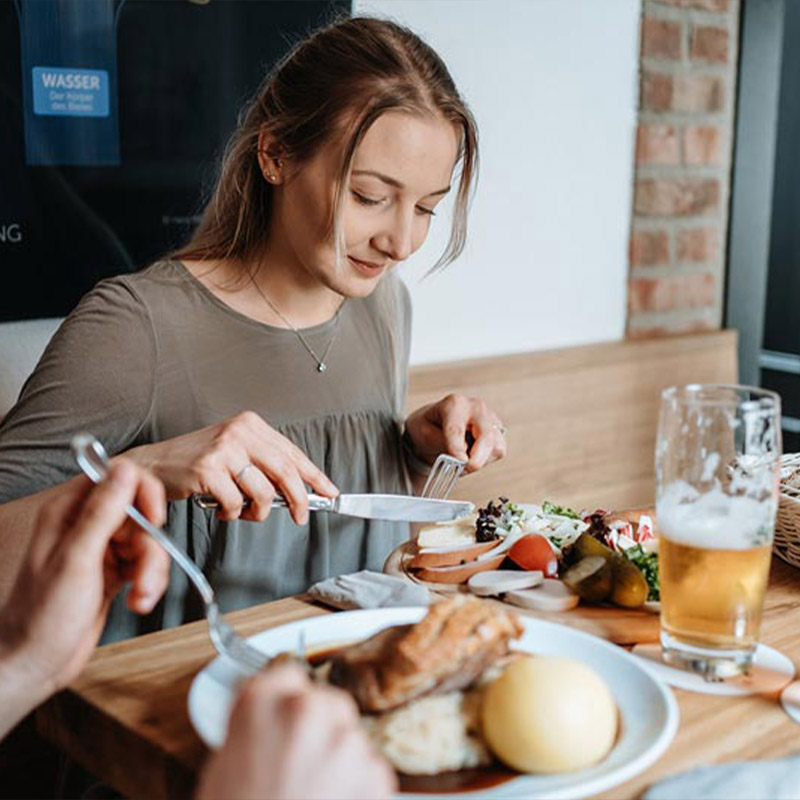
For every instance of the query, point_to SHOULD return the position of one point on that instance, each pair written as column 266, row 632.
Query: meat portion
column 447, row 650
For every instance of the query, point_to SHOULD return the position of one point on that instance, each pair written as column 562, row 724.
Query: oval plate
column 647, row 707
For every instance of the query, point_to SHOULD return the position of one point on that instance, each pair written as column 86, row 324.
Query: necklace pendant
column 321, row 367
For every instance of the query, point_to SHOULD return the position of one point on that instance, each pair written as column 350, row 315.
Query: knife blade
column 391, row 507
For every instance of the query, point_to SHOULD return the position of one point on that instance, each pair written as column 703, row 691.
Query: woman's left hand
column 460, row 426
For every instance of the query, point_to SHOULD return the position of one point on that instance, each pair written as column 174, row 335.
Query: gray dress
column 153, row 355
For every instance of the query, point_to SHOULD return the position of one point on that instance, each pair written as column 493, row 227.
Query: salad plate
column 648, row 711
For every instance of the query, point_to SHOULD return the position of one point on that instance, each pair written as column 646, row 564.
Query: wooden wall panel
column 581, row 421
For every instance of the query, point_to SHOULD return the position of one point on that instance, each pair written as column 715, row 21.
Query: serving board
column 619, row 625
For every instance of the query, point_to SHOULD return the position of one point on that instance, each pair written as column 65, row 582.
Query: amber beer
column 712, row 598
column 717, row 471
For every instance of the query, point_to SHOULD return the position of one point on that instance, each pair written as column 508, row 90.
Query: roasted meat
column 447, row 650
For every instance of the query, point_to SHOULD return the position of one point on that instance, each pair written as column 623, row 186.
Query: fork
column 444, row 474
column 93, row 459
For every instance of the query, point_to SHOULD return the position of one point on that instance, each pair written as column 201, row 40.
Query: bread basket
column 787, row 524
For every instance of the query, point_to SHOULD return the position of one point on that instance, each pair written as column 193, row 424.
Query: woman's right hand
column 242, row 456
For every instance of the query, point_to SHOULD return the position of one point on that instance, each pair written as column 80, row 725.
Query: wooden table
column 125, row 719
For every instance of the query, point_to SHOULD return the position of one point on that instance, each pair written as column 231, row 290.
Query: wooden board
column 582, row 420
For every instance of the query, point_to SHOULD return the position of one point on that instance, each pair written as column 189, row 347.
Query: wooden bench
column 581, row 421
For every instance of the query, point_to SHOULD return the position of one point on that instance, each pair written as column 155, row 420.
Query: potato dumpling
column 548, row 714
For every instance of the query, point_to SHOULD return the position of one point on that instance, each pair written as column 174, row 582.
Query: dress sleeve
column 97, row 375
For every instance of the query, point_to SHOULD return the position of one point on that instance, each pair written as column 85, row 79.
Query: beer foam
column 714, row 520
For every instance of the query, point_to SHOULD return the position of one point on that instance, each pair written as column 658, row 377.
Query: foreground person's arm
column 289, row 738
column 17, row 520
column 82, row 552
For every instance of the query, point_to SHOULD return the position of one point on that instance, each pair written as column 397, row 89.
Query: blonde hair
column 348, row 73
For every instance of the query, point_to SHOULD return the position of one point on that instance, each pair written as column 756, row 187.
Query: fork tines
column 444, row 474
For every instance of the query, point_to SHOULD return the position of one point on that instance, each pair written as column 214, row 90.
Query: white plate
column 648, row 710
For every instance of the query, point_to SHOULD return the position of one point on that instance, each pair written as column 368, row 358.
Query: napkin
column 778, row 779
column 368, row 589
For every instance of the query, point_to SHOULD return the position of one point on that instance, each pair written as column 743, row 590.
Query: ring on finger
column 240, row 474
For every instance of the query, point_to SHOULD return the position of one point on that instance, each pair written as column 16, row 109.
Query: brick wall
column 683, row 164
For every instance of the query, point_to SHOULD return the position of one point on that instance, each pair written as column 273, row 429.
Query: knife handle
column 315, row 502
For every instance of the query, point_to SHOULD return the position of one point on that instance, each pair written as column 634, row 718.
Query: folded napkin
column 368, row 589
column 778, row 779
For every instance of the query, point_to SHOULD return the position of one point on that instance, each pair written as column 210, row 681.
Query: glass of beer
column 717, row 470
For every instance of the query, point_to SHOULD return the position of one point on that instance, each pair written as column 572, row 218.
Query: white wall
column 553, row 86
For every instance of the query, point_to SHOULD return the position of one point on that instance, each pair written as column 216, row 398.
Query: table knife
column 392, row 507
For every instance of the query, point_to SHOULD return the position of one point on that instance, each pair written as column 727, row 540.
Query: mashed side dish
column 438, row 733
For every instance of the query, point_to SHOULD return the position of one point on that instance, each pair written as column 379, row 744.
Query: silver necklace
column 321, row 365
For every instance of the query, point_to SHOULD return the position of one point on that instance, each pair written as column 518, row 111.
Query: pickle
column 629, row 588
column 591, row 578
column 586, row 545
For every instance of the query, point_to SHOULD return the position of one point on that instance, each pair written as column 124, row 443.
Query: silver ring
column 242, row 471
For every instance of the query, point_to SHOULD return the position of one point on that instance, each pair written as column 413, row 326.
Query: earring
column 270, row 177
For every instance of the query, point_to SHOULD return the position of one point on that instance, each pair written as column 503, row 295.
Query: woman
column 272, row 350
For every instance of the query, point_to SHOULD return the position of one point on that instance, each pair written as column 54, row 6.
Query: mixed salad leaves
column 503, row 514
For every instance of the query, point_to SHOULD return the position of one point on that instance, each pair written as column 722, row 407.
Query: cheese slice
column 448, row 534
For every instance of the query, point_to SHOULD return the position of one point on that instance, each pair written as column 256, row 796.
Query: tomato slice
column 534, row 552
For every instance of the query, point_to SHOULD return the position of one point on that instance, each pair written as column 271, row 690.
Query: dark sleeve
column 97, row 374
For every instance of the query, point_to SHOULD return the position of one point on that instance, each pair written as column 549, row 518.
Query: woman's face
column 401, row 170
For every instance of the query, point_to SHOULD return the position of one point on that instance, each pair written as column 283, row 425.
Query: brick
column 648, row 248
column 703, row 5
column 662, row 197
column 672, row 293
column 702, row 144
column 698, row 245
column 661, row 38
column 657, row 91
column 709, row 43
column 698, row 93
column 657, row 144
column 708, row 5
column 680, row 325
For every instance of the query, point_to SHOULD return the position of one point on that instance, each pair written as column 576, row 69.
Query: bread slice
column 440, row 557
column 458, row 573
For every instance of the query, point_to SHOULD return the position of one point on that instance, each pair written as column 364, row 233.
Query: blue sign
column 69, row 82
column 61, row 91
